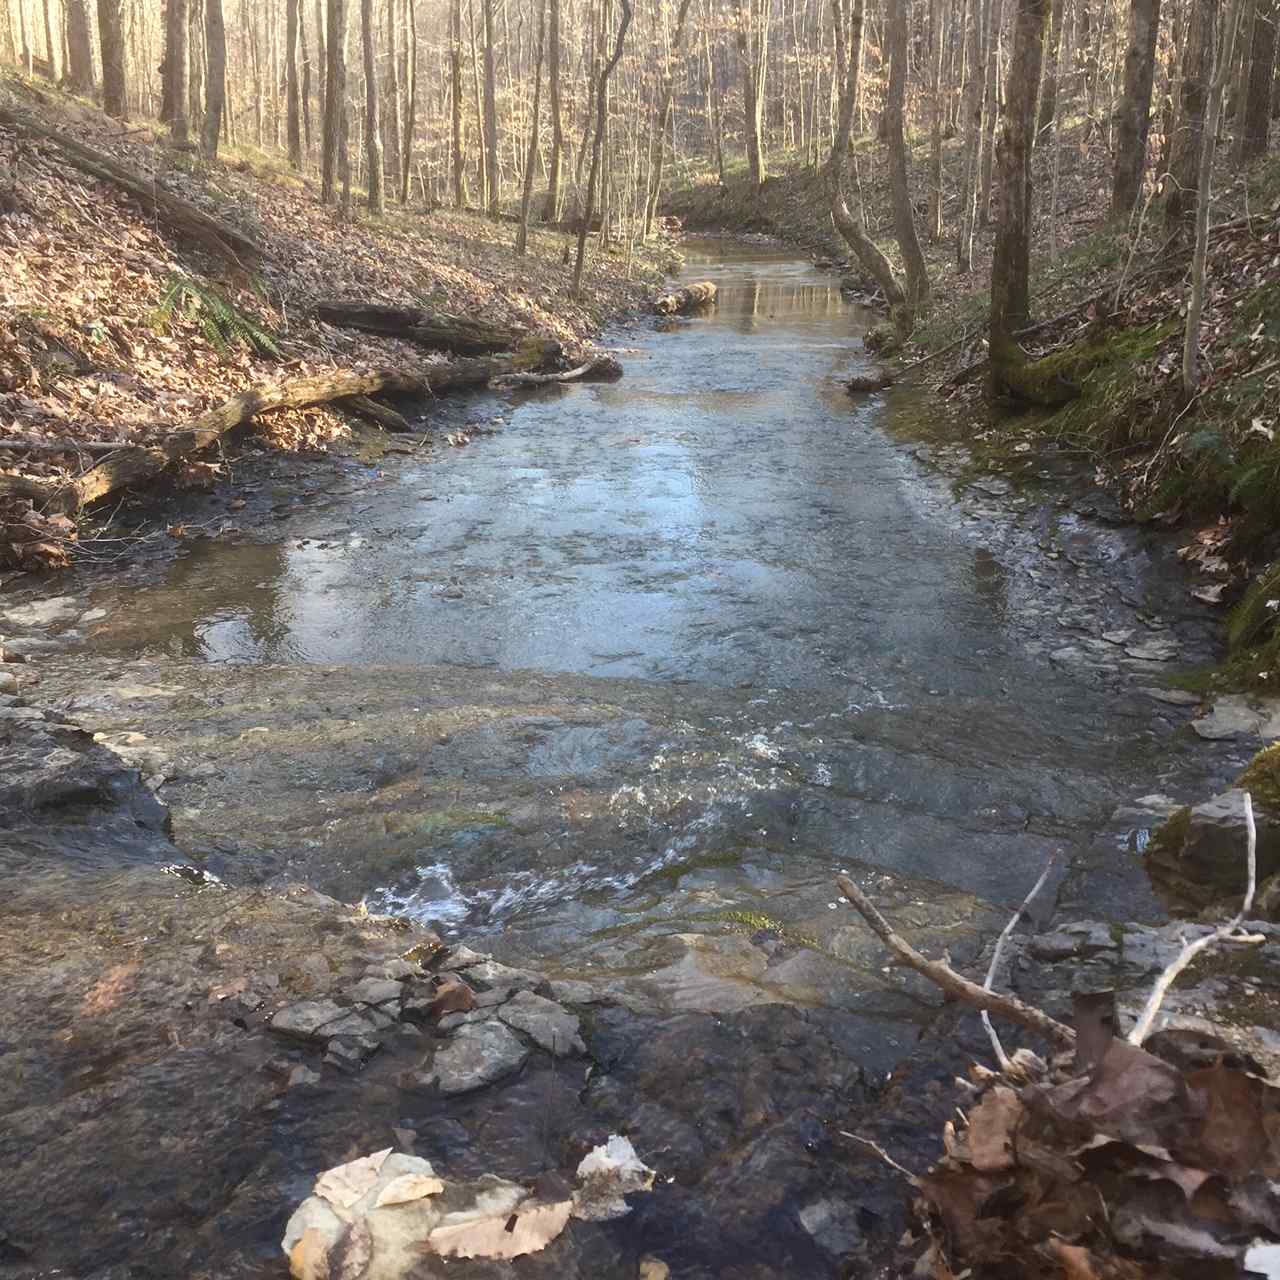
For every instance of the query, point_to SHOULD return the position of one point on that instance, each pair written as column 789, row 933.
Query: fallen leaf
column 344, row 1184
column 406, row 1188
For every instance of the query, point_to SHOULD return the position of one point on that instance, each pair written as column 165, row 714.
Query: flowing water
column 621, row 686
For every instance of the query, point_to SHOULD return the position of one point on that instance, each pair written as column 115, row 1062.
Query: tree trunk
column 50, row 47
column 975, row 132
column 1208, row 141
column 177, row 71
column 80, row 75
column 491, row 113
column 215, row 90
column 991, row 109
column 1184, row 165
column 293, row 97
column 904, row 222
column 1133, row 116
column 455, row 104
column 1261, row 83
column 111, row 42
column 662, row 124
column 1011, row 263
column 751, row 41
column 375, row 178
column 602, row 116
column 335, row 102
column 395, row 116
column 531, row 160
column 551, row 210
column 937, row 111
column 411, row 116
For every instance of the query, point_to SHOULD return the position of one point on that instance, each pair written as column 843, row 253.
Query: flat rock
column 493, row 974
column 375, row 991
column 553, row 1028
column 1153, row 650
column 304, row 1020
column 476, row 1055
column 44, row 613
column 1174, row 697
column 1236, row 716
column 351, row 1023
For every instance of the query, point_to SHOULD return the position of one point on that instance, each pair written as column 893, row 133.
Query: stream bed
column 618, row 689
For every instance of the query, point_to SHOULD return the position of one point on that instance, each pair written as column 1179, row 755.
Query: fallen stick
column 213, row 233
column 1224, row 933
column 601, row 366
column 435, row 330
column 947, row 979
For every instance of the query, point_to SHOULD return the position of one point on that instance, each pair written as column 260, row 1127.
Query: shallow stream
column 621, row 686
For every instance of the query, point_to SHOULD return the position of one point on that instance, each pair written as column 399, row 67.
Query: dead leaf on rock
column 993, row 1124
column 346, row 1183
column 309, row 1258
column 406, row 1188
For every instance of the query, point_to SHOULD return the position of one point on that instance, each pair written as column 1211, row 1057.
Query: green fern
column 221, row 321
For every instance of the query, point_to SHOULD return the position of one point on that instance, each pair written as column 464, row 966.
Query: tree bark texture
column 551, row 211
column 215, row 90
column 111, row 43
column 1133, row 114
column 335, row 101
column 80, row 73
column 293, row 97
column 177, row 69
column 375, row 178
column 904, row 221
column 1197, row 71
column 1261, row 85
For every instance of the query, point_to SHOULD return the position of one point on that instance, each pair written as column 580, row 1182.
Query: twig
column 1006, row 933
column 944, row 976
column 883, row 1154
column 1224, row 933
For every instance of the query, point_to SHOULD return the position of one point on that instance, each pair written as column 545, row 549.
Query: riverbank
column 121, row 327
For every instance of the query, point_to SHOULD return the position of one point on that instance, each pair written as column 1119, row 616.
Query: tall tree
column 333, row 153
column 1184, row 162
column 491, row 112
column 177, row 70
column 852, row 225
column 904, row 222
column 597, row 143
column 752, row 30
column 662, row 121
column 1011, row 261
column 376, row 176
column 975, row 134
column 455, row 103
column 937, row 113
column 411, row 115
column 111, row 42
column 1208, row 141
column 215, row 92
column 1261, row 85
column 292, row 90
column 551, row 211
column 80, row 74
column 1133, row 115
column 531, row 160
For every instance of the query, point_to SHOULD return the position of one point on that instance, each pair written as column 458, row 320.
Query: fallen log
column 382, row 415
column 600, row 368
column 218, row 236
column 434, row 329
column 131, row 466
column 875, row 380
column 702, row 294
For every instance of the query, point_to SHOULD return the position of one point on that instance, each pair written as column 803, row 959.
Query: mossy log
column 873, row 380
column 183, row 216
column 1051, row 381
column 436, row 330
column 380, row 415
column 692, row 296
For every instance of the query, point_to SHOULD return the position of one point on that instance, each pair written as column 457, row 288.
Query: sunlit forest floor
column 113, row 327
column 1110, row 301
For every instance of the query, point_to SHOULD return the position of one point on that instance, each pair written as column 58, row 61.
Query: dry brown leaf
column 408, row 1187
column 993, row 1124
column 309, row 1258
column 496, row 1228
column 344, row 1184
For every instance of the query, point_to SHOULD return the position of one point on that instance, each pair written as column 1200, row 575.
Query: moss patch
column 1261, row 777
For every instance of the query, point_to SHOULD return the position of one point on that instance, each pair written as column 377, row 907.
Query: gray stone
column 8, row 682
column 1153, row 650
column 396, row 969
column 476, row 1056
column 1084, row 939
column 463, row 957
column 493, row 997
column 375, row 991
column 351, row 1024
column 452, row 1021
column 1117, row 637
column 1236, row 716
column 493, row 974
column 304, row 1020
column 571, row 991
column 833, row 1224
column 44, row 613
column 551, row 1027
column 350, row 1053
column 1174, row 697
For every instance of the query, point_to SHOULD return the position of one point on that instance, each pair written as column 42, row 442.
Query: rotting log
column 219, row 237
column 131, row 466
column 599, row 368
column 382, row 415
column 434, row 329
column 692, row 296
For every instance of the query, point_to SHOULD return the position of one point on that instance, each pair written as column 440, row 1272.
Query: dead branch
column 1224, row 933
column 597, row 367
column 948, row 980
column 884, row 1155
column 1006, row 1065
column 701, row 294
column 222, row 238
column 436, row 330
column 381, row 415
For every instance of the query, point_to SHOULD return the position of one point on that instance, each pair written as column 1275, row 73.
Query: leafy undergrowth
column 114, row 328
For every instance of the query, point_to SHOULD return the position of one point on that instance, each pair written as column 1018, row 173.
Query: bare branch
column 944, row 976
column 1224, row 933
column 884, row 1155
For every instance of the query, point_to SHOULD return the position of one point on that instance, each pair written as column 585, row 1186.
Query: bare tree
column 293, row 97
column 1184, row 163
column 80, row 75
column 111, row 42
column 333, row 152
column 904, row 221
column 551, row 211
column 372, row 123
column 602, row 116
column 752, row 30
column 411, row 115
column 1011, row 262
column 1260, row 87
column 177, row 71
column 491, row 113
column 662, row 121
column 215, row 91
column 1133, row 115
column 455, row 103
column 531, row 160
